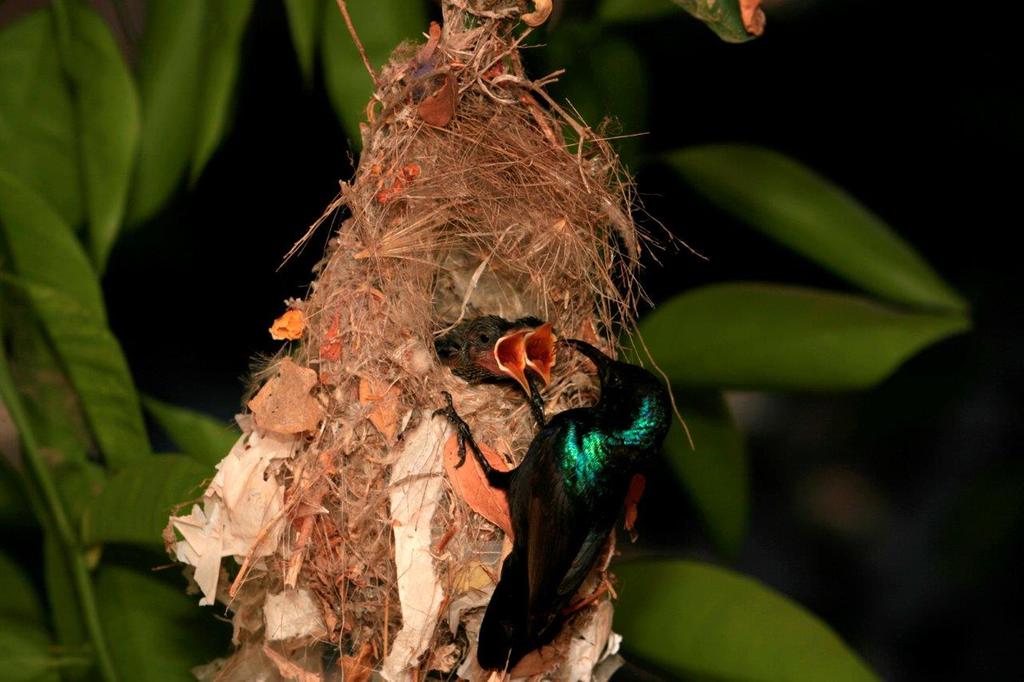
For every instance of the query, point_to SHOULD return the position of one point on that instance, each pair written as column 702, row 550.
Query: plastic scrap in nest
column 241, row 512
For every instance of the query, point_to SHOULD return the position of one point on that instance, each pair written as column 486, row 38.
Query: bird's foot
column 463, row 434
column 464, row 437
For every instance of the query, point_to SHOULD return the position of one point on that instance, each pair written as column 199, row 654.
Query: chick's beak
column 540, row 351
column 510, row 356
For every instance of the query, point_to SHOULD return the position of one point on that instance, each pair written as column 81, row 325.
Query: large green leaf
column 160, row 634
column 795, row 206
column 65, row 612
column 78, row 484
column 18, row 599
column 206, row 439
column 222, row 35
column 188, row 70
column 57, row 277
column 765, row 336
column 43, row 248
column 721, row 16
column 25, row 653
column 714, row 470
column 108, row 125
column 170, row 86
column 304, row 23
column 51, row 404
column 37, row 125
column 698, row 621
column 134, row 506
column 381, row 25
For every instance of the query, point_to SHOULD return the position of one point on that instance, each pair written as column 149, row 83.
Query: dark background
column 894, row 514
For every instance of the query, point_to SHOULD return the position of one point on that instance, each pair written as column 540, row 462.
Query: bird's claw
column 462, row 430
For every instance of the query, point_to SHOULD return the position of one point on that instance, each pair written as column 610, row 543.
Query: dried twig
column 355, row 38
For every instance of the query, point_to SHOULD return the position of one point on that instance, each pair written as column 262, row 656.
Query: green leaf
column 714, row 471
column 56, row 276
column 160, row 633
column 25, row 653
column 810, row 215
column 696, row 620
column 51, row 404
column 303, row 21
column 43, row 248
column 134, row 506
column 78, row 484
column 108, row 126
column 381, row 25
column 188, row 71
column 206, row 439
column 222, row 34
column 18, row 599
column 65, row 612
column 766, row 336
column 170, row 85
column 722, row 16
column 37, row 125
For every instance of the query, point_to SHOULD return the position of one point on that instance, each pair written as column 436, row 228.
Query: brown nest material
column 475, row 193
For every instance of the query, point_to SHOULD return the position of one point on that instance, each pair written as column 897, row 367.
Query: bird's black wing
column 564, row 535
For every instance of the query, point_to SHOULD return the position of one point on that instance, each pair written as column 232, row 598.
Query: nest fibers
column 354, row 552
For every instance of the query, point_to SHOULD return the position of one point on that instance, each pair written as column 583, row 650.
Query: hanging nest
column 358, row 546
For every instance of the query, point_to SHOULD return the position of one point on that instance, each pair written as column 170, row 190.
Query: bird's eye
column 485, row 338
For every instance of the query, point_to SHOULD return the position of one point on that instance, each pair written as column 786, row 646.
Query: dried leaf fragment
column 290, row 670
column 357, row 668
column 433, row 37
column 284, row 404
column 540, row 13
column 471, row 484
column 289, row 326
column 753, row 16
column 439, row 108
column 330, row 349
column 383, row 401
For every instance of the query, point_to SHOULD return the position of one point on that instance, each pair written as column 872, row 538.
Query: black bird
column 491, row 349
column 564, row 498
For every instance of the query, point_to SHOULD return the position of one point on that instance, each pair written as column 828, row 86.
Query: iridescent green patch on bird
column 648, row 422
column 584, row 455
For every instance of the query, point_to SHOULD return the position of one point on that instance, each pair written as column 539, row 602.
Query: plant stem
column 355, row 38
column 39, row 474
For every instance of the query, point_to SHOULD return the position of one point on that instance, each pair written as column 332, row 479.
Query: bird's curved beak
column 540, row 351
column 597, row 357
column 510, row 356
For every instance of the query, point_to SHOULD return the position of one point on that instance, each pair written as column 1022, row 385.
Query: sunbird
column 564, row 500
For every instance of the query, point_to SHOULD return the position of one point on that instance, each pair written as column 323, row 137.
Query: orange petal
column 510, row 354
column 540, row 351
